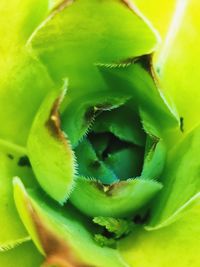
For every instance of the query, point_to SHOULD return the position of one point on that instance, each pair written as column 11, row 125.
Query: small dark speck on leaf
column 182, row 124
column 10, row 156
column 158, row 70
column 139, row 219
column 24, row 162
column 95, row 164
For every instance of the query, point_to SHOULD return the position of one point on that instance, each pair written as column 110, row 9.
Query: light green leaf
column 12, row 162
column 24, row 255
column 49, row 150
column 117, row 200
column 182, row 53
column 23, row 80
column 135, row 78
column 59, row 232
column 22, row 90
column 176, row 245
column 102, row 38
column 80, row 112
column 154, row 160
column 160, row 20
column 180, row 179
column 16, row 27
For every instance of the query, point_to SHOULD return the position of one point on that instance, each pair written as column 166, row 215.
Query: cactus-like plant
column 96, row 167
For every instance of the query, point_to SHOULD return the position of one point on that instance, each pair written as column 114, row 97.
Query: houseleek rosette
column 90, row 152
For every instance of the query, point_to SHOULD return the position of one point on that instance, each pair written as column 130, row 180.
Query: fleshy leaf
column 182, row 52
column 180, row 178
column 16, row 27
column 99, row 142
column 123, row 123
column 136, row 79
column 126, row 163
column 24, row 87
column 20, row 85
column 154, row 159
column 178, row 214
column 60, row 232
column 119, row 200
column 102, row 38
column 50, row 152
column 160, row 20
column 24, row 255
column 176, row 245
column 90, row 166
column 80, row 112
column 12, row 162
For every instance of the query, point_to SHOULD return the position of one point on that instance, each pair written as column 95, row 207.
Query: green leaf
column 49, row 150
column 118, row 227
column 117, row 200
column 126, row 163
column 21, row 256
column 80, row 112
column 123, row 123
column 182, row 52
column 99, row 142
column 161, row 20
column 104, row 241
column 155, row 156
column 23, row 80
column 13, row 232
column 176, row 245
column 111, row 230
column 22, row 90
column 102, row 38
column 90, row 166
column 16, row 27
column 59, row 232
column 180, row 179
column 147, row 98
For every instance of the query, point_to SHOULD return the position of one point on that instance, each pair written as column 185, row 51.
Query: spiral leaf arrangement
column 93, row 134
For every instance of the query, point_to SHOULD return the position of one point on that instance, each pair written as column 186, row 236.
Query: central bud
column 112, row 150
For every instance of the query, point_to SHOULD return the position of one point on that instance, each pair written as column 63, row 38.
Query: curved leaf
column 136, row 79
column 13, row 161
column 182, row 53
column 90, row 166
column 117, row 200
column 102, row 38
column 159, row 13
column 22, row 90
column 176, row 245
column 60, row 232
column 79, row 113
column 21, row 256
column 49, row 150
column 180, row 179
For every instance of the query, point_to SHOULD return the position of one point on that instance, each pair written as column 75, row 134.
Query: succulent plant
column 97, row 166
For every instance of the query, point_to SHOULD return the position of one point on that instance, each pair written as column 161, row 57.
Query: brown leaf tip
column 53, row 122
column 58, row 251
